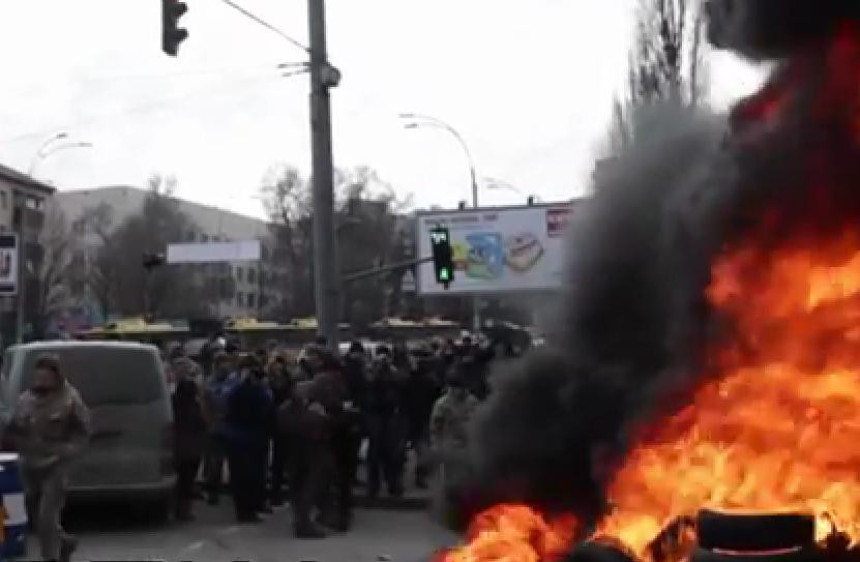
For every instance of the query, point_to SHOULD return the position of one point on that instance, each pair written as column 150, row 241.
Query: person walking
column 50, row 427
column 449, row 423
column 385, row 426
column 332, row 392
column 190, row 432
column 215, row 396
column 302, row 424
column 281, row 386
column 246, row 428
column 422, row 391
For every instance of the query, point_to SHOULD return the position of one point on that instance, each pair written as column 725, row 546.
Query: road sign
column 8, row 265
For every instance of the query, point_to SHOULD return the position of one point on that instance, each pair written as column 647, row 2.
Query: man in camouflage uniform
column 50, row 428
column 450, row 417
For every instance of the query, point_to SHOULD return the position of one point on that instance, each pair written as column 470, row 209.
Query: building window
column 204, row 238
column 239, row 274
column 4, row 199
column 252, row 300
column 240, row 299
column 252, row 276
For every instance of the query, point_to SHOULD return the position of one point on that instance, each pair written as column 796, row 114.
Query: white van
column 130, row 456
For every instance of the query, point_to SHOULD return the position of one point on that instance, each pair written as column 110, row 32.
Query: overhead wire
column 154, row 105
column 191, row 73
column 266, row 24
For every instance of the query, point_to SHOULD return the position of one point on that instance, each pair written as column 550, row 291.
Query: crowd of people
column 296, row 428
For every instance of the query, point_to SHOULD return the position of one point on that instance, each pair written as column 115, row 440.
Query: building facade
column 22, row 211
column 252, row 290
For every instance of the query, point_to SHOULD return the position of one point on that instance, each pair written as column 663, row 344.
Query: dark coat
column 249, row 413
column 189, row 425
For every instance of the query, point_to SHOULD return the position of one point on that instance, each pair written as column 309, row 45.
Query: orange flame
column 514, row 533
column 777, row 428
column 776, row 425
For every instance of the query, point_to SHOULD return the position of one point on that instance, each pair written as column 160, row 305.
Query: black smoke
column 774, row 29
column 633, row 320
column 630, row 347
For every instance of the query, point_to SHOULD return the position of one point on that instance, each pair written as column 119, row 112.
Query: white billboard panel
column 8, row 264
column 498, row 250
column 214, row 252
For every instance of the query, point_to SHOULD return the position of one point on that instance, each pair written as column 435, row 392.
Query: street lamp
column 427, row 121
column 42, row 154
column 419, row 121
column 493, row 183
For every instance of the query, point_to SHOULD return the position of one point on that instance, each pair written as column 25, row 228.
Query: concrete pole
column 325, row 267
column 476, row 300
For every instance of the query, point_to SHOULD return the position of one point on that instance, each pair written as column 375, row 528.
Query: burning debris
column 712, row 345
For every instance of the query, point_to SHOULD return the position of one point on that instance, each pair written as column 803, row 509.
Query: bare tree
column 287, row 200
column 95, row 273
column 666, row 65
column 53, row 268
column 367, row 234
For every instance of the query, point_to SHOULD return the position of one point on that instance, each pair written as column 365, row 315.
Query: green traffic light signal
column 443, row 264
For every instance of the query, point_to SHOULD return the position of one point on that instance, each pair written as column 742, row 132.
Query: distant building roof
column 19, row 178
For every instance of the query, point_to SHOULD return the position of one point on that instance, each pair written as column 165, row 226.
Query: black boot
column 308, row 530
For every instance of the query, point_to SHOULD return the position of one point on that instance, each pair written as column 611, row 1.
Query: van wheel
column 157, row 512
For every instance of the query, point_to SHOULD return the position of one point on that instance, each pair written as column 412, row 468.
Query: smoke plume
column 770, row 29
column 640, row 250
column 636, row 274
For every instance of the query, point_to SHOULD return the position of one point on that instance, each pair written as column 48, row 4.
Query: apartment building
column 254, row 291
column 22, row 206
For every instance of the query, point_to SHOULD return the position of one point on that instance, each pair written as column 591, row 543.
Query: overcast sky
column 528, row 83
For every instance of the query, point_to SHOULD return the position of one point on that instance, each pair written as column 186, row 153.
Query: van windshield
column 104, row 375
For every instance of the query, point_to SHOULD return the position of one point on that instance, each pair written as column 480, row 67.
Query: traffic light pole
column 326, row 283
column 373, row 272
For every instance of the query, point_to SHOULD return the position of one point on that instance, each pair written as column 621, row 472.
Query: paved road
column 117, row 533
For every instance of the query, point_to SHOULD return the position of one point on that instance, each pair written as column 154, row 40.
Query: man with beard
column 50, row 426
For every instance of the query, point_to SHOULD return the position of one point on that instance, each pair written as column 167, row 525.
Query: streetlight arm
column 438, row 123
column 41, row 155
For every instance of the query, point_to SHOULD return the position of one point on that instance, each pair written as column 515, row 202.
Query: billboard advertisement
column 498, row 250
column 214, row 252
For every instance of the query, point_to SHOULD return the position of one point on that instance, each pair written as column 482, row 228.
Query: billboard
column 497, row 250
column 213, row 252
column 8, row 264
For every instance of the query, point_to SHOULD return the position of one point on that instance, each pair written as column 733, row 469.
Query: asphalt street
column 117, row 533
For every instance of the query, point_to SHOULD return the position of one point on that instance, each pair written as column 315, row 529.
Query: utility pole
column 323, row 78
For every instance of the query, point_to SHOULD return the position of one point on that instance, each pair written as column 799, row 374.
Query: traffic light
column 171, row 34
column 443, row 261
column 151, row 261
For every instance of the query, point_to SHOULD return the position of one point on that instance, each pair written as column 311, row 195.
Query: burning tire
column 754, row 533
column 597, row 552
column 799, row 555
